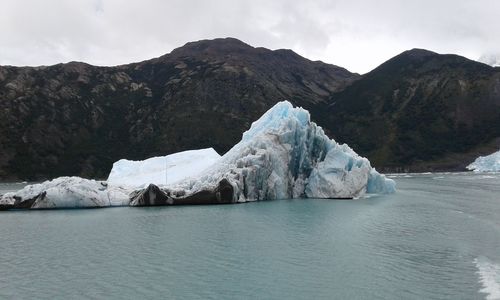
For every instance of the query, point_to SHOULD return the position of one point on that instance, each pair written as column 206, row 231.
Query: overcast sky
column 358, row 35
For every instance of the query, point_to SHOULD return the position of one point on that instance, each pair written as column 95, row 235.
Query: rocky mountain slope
column 418, row 111
column 421, row 111
column 77, row 119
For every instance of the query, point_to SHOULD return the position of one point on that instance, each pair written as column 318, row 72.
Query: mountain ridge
column 77, row 119
column 444, row 105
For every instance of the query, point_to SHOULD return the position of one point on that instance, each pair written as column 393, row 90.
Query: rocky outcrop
column 223, row 193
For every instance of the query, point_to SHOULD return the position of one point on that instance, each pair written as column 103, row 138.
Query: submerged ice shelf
column 489, row 163
column 283, row 155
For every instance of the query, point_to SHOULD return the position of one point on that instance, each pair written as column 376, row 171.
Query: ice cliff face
column 161, row 170
column 283, row 155
column 490, row 163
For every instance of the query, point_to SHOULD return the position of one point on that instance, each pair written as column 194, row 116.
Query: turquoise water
column 438, row 237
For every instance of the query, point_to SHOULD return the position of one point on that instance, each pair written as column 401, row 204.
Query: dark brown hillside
column 77, row 119
column 421, row 111
column 418, row 111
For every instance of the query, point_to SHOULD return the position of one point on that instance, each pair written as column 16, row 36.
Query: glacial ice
column 66, row 192
column 283, row 155
column 489, row 163
column 161, row 170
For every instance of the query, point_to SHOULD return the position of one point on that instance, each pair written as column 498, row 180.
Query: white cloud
column 357, row 35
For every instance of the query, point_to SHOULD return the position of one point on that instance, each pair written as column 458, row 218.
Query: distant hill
column 421, row 111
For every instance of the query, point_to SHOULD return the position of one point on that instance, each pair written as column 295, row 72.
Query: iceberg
column 283, row 155
column 65, row 192
column 125, row 177
column 161, row 170
column 489, row 163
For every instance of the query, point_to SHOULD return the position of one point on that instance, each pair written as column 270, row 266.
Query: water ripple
column 410, row 245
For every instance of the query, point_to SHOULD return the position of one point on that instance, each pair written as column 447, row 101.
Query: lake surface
column 438, row 237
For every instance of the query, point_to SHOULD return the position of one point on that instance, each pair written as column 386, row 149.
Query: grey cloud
column 358, row 35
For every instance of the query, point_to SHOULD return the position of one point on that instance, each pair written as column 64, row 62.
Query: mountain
column 77, row 119
column 421, row 111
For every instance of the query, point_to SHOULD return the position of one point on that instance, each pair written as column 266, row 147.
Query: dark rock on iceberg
column 154, row 196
